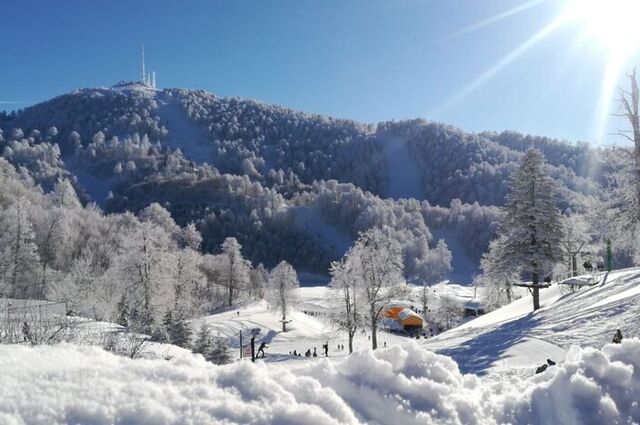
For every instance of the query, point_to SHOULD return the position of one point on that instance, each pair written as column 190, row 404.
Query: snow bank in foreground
column 68, row 384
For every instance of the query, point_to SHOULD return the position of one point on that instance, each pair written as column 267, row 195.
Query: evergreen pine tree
column 219, row 351
column 122, row 311
column 531, row 231
column 214, row 350
column 203, row 341
column 177, row 328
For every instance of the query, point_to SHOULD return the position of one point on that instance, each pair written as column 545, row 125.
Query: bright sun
column 615, row 24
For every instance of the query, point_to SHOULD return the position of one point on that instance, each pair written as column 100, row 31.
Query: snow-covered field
column 513, row 336
column 481, row 372
column 68, row 384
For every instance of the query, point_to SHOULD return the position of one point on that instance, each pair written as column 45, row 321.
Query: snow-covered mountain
column 243, row 168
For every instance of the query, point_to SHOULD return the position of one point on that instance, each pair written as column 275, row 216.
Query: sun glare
column 614, row 24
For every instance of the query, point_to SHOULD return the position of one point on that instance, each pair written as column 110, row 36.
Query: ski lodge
column 406, row 318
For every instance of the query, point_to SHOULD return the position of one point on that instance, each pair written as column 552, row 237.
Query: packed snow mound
column 68, row 384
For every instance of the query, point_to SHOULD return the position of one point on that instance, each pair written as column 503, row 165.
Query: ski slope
column 516, row 337
column 310, row 220
column 183, row 134
column 405, row 177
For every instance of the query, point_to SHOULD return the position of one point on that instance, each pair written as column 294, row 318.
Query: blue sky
column 368, row 60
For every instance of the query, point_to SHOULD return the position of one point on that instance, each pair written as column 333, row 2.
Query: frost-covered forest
column 115, row 148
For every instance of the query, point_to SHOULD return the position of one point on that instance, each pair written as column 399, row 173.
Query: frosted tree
column 77, row 288
column 144, row 269
column 186, row 275
column 219, row 352
column 202, row 344
column 282, row 290
column 64, row 194
column 498, row 272
column 19, row 259
column 378, row 269
column 117, row 170
column 627, row 181
column 159, row 216
column 578, row 237
column 51, row 239
column 234, row 274
column 448, row 311
column 130, row 168
column 346, row 318
column 258, row 277
column 190, row 237
column 177, row 328
column 531, row 230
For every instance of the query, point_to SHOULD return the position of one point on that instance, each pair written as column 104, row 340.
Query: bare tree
column 378, row 269
column 628, row 191
column 282, row 291
column 347, row 318
column 235, row 273
column 449, row 311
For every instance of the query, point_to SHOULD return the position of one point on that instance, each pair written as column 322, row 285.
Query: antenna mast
column 144, row 73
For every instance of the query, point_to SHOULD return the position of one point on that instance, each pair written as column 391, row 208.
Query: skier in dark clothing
column 325, row 347
column 307, row 353
column 314, row 352
column 617, row 337
column 263, row 345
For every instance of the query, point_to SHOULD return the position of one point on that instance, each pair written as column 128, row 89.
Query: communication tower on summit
column 149, row 79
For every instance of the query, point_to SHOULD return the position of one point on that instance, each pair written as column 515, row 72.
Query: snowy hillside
column 513, row 336
column 405, row 179
column 191, row 150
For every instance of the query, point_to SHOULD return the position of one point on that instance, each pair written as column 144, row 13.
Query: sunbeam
column 494, row 19
column 494, row 70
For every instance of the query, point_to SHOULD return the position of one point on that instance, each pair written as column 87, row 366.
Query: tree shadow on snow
column 479, row 353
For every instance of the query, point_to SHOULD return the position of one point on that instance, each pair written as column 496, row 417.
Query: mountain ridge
column 151, row 146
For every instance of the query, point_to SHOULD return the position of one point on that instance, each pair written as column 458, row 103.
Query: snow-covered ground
column 481, row 372
column 183, row 134
column 514, row 336
column 97, row 188
column 405, row 177
column 309, row 219
column 66, row 384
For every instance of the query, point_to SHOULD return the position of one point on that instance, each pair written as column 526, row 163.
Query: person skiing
column 325, row 347
column 295, row 353
column 263, row 345
column 617, row 337
column 314, row 352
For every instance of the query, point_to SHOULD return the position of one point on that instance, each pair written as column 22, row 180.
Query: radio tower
column 143, row 75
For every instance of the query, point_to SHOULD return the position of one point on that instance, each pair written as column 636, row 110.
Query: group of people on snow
column 308, row 353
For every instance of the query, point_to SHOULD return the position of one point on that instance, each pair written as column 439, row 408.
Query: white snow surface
column 309, row 219
column 405, row 177
column 183, row 134
column 67, row 384
column 514, row 336
column 486, row 377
